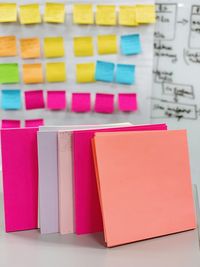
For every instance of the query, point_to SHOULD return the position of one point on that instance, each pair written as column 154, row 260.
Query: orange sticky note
column 8, row 47
column 30, row 48
column 32, row 73
column 144, row 184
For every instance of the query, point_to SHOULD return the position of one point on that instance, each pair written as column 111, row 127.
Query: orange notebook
column 144, row 184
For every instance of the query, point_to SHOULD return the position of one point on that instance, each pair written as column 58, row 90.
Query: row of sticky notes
column 83, row 46
column 30, row 47
column 56, row 100
column 107, row 44
column 32, row 73
column 105, row 72
column 82, row 14
column 17, row 123
column 56, row 72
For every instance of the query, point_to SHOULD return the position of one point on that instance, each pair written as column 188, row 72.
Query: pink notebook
column 20, row 178
column 88, row 217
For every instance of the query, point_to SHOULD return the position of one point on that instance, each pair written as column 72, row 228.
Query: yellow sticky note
column 30, row 14
column 145, row 14
column 32, row 73
column 85, row 73
column 127, row 16
column 54, row 47
column 8, row 47
column 107, row 44
column 105, row 15
column 56, row 72
column 30, row 48
column 83, row 46
column 8, row 12
column 83, row 14
column 54, row 12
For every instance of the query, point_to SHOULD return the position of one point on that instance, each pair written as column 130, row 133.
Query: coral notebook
column 20, row 178
column 88, row 217
column 144, row 184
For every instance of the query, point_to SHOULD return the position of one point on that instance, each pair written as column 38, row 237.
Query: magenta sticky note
column 20, row 178
column 88, row 217
column 10, row 124
column 127, row 102
column 34, row 99
column 81, row 102
column 104, row 103
column 56, row 100
column 34, row 123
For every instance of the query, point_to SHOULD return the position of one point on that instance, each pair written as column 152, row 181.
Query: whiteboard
column 68, row 31
column 176, row 81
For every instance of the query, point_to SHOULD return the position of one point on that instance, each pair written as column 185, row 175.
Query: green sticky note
column 9, row 73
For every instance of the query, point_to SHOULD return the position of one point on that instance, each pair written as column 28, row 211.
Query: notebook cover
column 65, row 175
column 48, row 176
column 144, row 184
column 88, row 217
column 20, row 178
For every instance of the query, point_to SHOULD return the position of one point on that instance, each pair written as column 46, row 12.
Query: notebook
column 144, row 184
column 48, row 177
column 88, row 217
column 20, row 178
column 65, row 175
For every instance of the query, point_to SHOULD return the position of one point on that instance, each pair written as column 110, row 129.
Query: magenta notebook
column 20, row 178
column 87, row 208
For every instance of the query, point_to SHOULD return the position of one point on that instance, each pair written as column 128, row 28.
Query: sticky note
column 8, row 12
column 85, row 73
column 54, row 47
column 10, row 124
column 30, row 48
column 29, row 14
column 104, row 71
column 83, row 14
column 130, row 44
column 8, row 46
column 127, row 16
column 34, row 123
column 145, row 14
column 127, row 102
column 81, row 102
column 83, row 46
column 11, row 99
column 55, row 72
column 105, row 15
column 125, row 74
column 56, row 100
column 9, row 73
column 34, row 99
column 32, row 73
column 104, row 103
column 54, row 12
column 107, row 44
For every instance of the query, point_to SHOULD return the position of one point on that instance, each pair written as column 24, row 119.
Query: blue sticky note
column 125, row 74
column 130, row 44
column 11, row 99
column 104, row 71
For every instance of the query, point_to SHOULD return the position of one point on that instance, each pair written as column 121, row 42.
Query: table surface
column 30, row 248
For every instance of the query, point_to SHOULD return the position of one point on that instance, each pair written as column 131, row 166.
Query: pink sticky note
column 34, row 123
column 20, row 178
column 87, row 207
column 104, row 103
column 81, row 102
column 34, row 99
column 56, row 99
column 10, row 124
column 127, row 102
